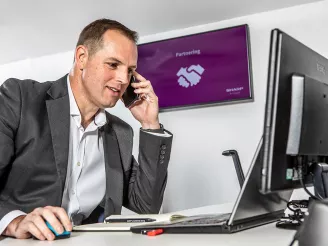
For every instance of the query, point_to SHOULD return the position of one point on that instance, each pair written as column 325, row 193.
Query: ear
column 81, row 56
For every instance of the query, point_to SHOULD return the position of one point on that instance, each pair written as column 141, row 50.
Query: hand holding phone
column 129, row 96
column 144, row 107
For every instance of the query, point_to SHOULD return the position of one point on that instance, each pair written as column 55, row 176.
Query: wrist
column 12, row 227
column 152, row 126
column 155, row 130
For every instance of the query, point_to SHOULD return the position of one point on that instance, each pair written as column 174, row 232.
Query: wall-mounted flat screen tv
column 201, row 69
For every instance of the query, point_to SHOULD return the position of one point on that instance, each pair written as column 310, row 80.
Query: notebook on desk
column 104, row 227
column 125, row 222
column 250, row 210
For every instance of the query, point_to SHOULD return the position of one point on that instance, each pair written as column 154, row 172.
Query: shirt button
column 78, row 163
column 163, row 146
column 162, row 152
column 161, row 162
column 161, row 157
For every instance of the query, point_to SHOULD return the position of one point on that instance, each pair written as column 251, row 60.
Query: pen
column 130, row 220
column 152, row 232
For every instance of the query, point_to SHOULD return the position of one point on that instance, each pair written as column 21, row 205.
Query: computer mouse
column 65, row 234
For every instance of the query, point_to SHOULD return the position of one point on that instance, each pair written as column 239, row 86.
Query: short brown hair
column 92, row 35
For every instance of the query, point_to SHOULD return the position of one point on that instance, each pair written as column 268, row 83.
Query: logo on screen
column 321, row 68
column 234, row 91
column 190, row 76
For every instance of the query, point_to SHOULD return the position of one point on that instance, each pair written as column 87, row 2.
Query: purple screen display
column 198, row 69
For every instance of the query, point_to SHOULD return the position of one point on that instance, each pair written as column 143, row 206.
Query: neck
column 87, row 109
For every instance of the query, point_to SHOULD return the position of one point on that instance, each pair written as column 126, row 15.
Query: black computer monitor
column 295, row 136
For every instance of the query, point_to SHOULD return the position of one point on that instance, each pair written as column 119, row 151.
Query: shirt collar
column 100, row 118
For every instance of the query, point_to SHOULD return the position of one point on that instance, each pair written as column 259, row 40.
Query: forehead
column 117, row 44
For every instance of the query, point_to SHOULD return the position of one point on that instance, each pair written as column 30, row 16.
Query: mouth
column 114, row 89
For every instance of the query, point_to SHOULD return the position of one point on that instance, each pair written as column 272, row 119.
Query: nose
column 123, row 77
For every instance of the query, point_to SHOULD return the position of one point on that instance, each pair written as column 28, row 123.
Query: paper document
column 125, row 222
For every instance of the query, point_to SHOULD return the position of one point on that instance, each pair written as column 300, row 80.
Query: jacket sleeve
column 10, row 109
column 148, row 177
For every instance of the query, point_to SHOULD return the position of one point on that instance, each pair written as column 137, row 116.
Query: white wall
column 198, row 173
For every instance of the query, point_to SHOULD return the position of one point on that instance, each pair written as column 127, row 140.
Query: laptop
column 251, row 209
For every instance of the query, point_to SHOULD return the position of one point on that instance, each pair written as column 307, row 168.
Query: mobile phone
column 129, row 96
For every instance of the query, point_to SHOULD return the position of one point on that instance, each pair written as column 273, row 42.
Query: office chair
column 314, row 227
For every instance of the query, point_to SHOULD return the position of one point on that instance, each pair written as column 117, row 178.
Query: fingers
column 48, row 214
column 144, row 89
column 138, row 76
column 145, row 96
column 35, row 223
column 40, row 224
column 63, row 218
column 35, row 231
column 142, row 84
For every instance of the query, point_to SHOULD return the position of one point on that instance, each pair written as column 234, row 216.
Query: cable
column 318, row 194
column 315, row 188
column 298, row 213
column 300, row 175
column 298, row 204
column 293, row 221
column 307, row 191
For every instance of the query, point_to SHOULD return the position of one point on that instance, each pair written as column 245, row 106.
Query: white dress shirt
column 85, row 184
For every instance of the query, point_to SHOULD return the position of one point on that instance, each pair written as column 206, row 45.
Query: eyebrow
column 119, row 62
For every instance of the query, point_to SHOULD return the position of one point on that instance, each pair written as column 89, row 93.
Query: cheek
column 106, row 74
column 95, row 78
column 94, row 71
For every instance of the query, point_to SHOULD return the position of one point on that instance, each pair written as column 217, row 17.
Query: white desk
column 264, row 235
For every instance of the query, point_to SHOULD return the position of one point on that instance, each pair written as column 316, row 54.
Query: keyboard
column 204, row 220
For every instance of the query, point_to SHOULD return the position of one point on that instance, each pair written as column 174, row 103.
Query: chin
column 109, row 104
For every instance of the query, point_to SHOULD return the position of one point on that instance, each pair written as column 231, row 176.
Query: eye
column 112, row 65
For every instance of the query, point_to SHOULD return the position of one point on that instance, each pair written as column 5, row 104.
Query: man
column 62, row 156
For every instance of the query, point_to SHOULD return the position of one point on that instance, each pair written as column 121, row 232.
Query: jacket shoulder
column 26, row 85
column 118, row 121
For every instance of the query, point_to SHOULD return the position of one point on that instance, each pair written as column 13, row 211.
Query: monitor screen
column 200, row 69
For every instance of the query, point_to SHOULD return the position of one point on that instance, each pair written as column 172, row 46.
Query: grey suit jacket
column 34, row 139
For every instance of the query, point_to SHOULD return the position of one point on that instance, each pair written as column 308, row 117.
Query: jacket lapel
column 114, row 172
column 59, row 120
column 58, row 113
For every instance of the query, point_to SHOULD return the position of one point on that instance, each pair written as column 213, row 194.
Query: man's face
column 107, row 73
